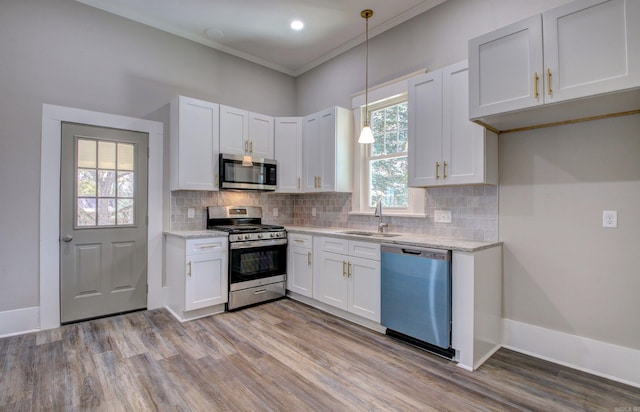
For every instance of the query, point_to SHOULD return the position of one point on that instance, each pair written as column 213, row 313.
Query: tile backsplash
column 474, row 211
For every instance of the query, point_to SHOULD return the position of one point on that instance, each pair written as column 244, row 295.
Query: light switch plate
column 275, row 212
column 191, row 213
column 313, row 211
column 442, row 216
column 610, row 219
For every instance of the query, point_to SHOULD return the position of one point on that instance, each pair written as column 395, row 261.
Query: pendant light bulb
column 366, row 136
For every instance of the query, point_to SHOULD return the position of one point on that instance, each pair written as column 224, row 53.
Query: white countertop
column 409, row 239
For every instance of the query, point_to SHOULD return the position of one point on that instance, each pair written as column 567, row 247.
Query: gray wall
column 65, row 53
column 562, row 271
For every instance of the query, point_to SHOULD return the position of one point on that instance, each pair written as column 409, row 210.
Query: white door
column 288, row 153
column 503, row 68
column 311, row 146
column 234, row 131
column 462, row 140
column 591, row 47
column 364, row 287
column 425, row 130
column 103, row 227
column 299, row 271
column 261, row 136
column 330, row 281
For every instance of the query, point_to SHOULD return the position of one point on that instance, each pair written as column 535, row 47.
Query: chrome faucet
column 378, row 213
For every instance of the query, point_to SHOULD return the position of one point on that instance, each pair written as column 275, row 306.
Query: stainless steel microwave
column 244, row 173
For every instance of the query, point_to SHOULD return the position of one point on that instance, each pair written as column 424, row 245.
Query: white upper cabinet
column 503, row 66
column 288, row 153
column 445, row 148
column 327, row 151
column 587, row 48
column 245, row 133
column 194, row 140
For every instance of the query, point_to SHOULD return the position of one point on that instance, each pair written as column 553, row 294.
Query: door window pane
column 125, row 156
column 106, row 155
column 106, row 212
column 125, row 184
column 125, row 211
column 86, row 212
column 86, row 153
column 86, row 182
column 106, row 183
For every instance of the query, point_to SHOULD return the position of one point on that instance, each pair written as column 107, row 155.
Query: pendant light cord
column 366, row 74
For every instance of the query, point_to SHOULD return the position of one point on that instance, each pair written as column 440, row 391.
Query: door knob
column 67, row 238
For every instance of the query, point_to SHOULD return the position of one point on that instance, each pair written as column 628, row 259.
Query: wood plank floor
column 278, row 356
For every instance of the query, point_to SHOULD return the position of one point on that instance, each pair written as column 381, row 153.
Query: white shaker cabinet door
column 505, row 69
column 330, row 280
column 591, row 47
column 465, row 148
column 425, row 130
column 261, row 136
column 364, row 287
column 206, row 281
column 288, row 153
column 194, row 140
column 234, row 130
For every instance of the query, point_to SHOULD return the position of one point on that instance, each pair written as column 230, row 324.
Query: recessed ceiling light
column 297, row 25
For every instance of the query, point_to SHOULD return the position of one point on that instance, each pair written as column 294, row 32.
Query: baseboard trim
column 19, row 321
column 603, row 359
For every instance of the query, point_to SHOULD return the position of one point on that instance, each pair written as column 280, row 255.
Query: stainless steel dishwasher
column 416, row 296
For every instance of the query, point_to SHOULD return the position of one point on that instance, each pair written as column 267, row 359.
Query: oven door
column 255, row 260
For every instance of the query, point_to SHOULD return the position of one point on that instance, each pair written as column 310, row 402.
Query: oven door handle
column 257, row 243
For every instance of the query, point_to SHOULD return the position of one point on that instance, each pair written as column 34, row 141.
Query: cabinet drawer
column 335, row 245
column 367, row 250
column 296, row 239
column 206, row 245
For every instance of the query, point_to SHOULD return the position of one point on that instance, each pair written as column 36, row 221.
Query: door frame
column 51, row 144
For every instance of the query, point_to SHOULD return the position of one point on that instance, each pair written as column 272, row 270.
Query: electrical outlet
column 275, row 212
column 313, row 211
column 191, row 213
column 442, row 216
column 610, row 218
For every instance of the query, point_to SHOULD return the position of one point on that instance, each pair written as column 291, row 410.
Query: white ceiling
column 258, row 30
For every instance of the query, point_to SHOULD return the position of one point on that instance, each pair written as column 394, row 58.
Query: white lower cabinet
column 300, row 264
column 347, row 275
column 197, row 276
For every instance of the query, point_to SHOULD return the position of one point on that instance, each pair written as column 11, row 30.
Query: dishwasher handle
column 420, row 252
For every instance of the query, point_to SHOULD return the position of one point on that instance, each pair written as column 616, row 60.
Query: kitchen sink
column 372, row 234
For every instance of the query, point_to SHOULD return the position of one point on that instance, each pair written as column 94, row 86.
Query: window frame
column 379, row 96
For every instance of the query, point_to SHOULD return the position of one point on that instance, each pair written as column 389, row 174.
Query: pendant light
column 366, row 136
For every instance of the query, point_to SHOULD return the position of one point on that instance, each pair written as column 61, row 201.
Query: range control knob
column 259, row 235
column 247, row 237
column 272, row 235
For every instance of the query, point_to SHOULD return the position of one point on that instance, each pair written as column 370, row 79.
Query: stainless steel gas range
column 257, row 254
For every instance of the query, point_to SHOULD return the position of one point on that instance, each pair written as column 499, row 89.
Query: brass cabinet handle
column 309, row 258
column 319, row 181
column 349, row 270
column 299, row 183
column 536, row 79
column 549, row 82
column 344, row 268
column 444, row 170
column 437, row 170
column 246, row 146
column 189, row 272
column 215, row 183
column 299, row 240
column 251, row 146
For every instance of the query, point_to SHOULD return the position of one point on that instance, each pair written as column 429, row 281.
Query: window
column 105, row 183
column 381, row 167
column 387, row 156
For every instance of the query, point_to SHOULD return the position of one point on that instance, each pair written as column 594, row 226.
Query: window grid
column 105, row 178
column 387, row 156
